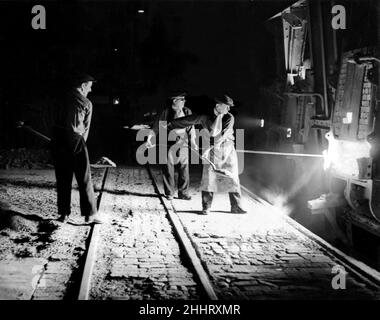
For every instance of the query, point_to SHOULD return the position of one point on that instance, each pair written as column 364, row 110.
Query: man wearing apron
column 222, row 153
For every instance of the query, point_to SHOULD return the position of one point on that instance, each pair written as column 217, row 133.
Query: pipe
column 307, row 94
column 323, row 56
column 360, row 59
column 334, row 40
column 310, row 38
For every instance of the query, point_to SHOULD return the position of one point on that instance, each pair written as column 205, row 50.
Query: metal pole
column 45, row 138
column 310, row 155
column 323, row 56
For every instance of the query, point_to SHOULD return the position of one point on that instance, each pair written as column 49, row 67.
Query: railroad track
column 95, row 237
column 85, row 283
column 255, row 276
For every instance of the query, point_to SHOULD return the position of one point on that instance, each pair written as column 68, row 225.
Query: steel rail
column 182, row 237
column 358, row 269
column 185, row 241
column 93, row 239
column 367, row 274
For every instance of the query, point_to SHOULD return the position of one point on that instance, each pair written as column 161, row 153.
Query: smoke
column 285, row 183
column 279, row 200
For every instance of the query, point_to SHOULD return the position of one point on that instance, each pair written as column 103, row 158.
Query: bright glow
column 116, row 49
column 289, row 133
column 279, row 202
column 262, row 123
column 327, row 160
column 262, row 218
column 290, row 78
column 116, row 101
column 141, row 11
column 342, row 156
column 348, row 118
column 302, row 72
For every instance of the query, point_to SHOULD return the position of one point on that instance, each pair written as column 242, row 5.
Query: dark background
column 204, row 47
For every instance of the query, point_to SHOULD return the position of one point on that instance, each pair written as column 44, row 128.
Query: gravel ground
column 23, row 158
column 253, row 256
column 29, row 230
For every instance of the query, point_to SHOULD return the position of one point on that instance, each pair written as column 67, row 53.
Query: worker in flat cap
column 178, row 151
column 219, row 123
column 69, row 150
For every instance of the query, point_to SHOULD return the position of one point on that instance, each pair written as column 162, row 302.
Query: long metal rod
column 48, row 140
column 310, row 155
column 39, row 134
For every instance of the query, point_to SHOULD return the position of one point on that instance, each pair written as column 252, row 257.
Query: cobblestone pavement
column 258, row 255
column 38, row 255
column 138, row 256
column 252, row 256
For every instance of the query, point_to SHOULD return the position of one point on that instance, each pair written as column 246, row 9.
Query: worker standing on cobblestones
column 220, row 124
column 178, row 151
column 70, row 153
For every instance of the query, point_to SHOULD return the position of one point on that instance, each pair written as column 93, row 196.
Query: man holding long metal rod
column 219, row 123
column 70, row 153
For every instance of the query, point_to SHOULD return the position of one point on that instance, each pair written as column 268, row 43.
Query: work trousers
column 179, row 158
column 207, row 197
column 69, row 162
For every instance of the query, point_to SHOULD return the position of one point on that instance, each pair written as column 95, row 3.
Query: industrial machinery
column 352, row 159
column 353, row 156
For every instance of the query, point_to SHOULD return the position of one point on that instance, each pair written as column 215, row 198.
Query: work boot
column 238, row 210
column 184, row 197
column 96, row 219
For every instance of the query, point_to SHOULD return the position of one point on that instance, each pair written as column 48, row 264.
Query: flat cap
column 80, row 78
column 177, row 93
column 225, row 100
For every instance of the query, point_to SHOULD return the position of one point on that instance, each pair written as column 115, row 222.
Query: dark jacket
column 206, row 120
column 168, row 115
column 73, row 120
